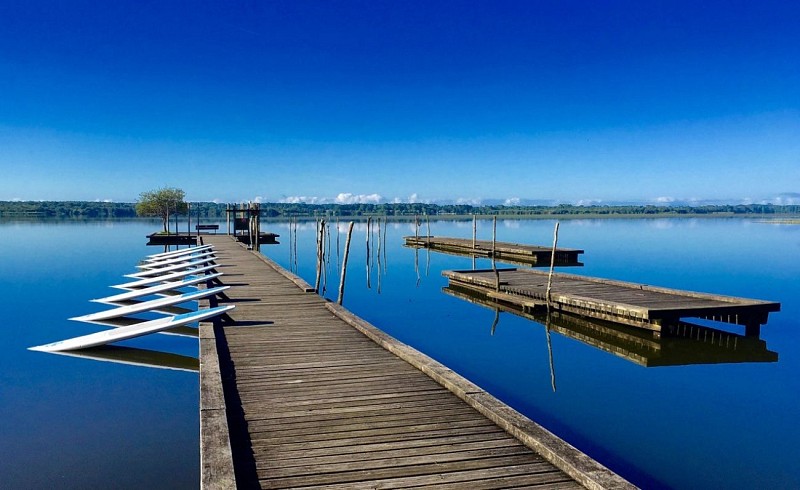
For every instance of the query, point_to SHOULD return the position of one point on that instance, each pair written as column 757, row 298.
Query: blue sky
column 566, row 101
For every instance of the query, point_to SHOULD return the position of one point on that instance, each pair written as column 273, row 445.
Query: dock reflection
column 136, row 357
column 683, row 344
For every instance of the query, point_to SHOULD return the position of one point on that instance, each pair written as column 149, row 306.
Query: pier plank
column 314, row 402
column 516, row 253
column 638, row 305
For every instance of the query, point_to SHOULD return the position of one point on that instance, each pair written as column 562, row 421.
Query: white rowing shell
column 124, row 333
column 149, row 305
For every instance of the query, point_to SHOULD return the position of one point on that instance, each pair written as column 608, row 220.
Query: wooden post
column 552, row 264
column 428, row 223
column 189, row 219
column 474, row 231
column 338, row 253
column 494, row 262
column 258, row 227
column 385, row 230
column 369, row 269
column 344, row 263
column 320, row 250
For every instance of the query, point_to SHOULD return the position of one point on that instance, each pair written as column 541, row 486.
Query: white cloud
column 348, row 198
column 588, row 202
column 468, row 200
column 787, row 199
column 413, row 198
column 302, row 199
column 665, row 199
column 512, row 201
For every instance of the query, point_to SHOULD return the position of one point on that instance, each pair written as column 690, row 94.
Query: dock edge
column 216, row 457
column 578, row 465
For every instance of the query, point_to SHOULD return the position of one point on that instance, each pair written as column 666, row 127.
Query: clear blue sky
column 571, row 101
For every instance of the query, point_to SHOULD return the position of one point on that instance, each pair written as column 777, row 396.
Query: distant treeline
column 215, row 211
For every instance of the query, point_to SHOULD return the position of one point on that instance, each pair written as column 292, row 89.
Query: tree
column 162, row 203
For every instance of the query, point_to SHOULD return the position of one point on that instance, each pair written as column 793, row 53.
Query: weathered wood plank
column 638, row 305
column 319, row 403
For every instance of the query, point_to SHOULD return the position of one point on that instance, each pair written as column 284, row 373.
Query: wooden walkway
column 314, row 397
column 508, row 252
column 638, row 305
column 687, row 343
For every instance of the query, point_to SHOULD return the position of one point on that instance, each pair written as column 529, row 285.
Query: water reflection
column 684, row 344
column 136, row 357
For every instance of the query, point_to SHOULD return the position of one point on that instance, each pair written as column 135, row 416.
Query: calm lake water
column 78, row 423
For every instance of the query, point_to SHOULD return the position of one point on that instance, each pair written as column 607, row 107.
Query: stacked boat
column 170, row 279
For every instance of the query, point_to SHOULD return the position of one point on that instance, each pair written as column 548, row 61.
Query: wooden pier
column 298, row 392
column 516, row 253
column 638, row 305
column 686, row 343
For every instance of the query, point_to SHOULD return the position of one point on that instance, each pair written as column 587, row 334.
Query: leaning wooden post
column 552, row 264
column 344, row 263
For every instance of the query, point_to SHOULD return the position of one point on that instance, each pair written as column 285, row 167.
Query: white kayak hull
column 152, row 305
column 171, row 268
column 183, row 251
column 166, row 277
column 159, row 289
column 125, row 333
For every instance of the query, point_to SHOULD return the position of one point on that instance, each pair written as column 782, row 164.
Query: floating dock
column 638, row 305
column 686, row 343
column 180, row 238
column 516, row 253
column 296, row 391
column 186, row 238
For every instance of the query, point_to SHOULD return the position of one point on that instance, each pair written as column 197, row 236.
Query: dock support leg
column 752, row 330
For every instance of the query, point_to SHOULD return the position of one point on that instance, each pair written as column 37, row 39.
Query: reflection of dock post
column 496, row 319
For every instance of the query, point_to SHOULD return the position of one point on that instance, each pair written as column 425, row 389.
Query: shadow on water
column 136, row 357
column 684, row 344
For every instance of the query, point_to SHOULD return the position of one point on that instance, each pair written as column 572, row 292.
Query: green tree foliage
column 162, row 203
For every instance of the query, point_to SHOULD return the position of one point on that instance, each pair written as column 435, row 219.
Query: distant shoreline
column 210, row 210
